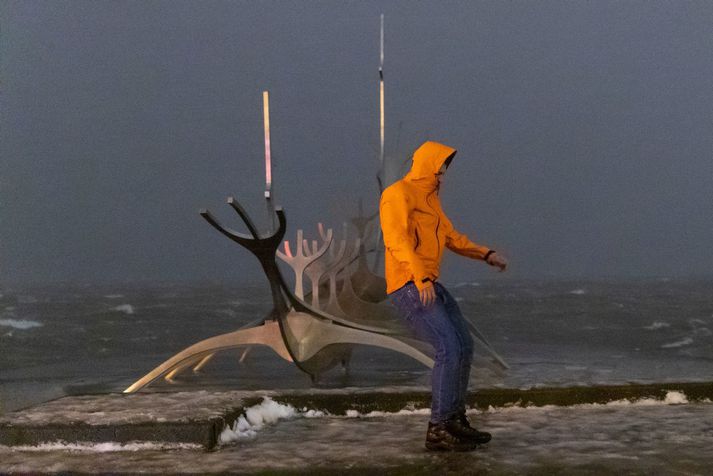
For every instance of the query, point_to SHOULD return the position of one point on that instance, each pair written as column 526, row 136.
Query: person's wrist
column 488, row 255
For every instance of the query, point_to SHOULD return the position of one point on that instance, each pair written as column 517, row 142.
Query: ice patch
column 678, row 343
column 657, row 325
column 105, row 447
column 578, row 292
column 125, row 308
column 19, row 324
column 266, row 413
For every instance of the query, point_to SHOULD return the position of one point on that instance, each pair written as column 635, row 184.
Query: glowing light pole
column 268, row 158
column 381, row 95
column 377, row 257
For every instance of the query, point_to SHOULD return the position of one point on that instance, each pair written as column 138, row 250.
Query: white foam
column 578, row 292
column 672, row 398
column 125, row 308
column 678, row 343
column 657, row 325
column 114, row 296
column 266, row 413
column 105, row 447
column 377, row 413
column 19, row 324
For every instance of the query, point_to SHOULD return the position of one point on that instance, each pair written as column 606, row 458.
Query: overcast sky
column 584, row 130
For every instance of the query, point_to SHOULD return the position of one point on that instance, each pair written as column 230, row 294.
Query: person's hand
column 427, row 294
column 496, row 260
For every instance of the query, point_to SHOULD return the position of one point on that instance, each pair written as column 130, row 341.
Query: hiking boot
column 460, row 426
column 439, row 438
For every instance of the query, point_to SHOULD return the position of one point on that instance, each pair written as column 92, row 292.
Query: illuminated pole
column 377, row 257
column 268, row 159
column 381, row 95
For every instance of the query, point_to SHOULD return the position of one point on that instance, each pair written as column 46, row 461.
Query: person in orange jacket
column 415, row 232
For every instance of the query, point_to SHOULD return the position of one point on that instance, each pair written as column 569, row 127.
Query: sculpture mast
column 268, row 157
column 377, row 258
column 381, row 95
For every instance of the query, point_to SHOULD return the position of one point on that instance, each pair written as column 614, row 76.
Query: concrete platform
column 199, row 417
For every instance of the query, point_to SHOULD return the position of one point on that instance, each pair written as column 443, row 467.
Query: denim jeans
column 443, row 326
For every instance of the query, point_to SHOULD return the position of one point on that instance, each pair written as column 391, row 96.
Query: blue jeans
column 442, row 325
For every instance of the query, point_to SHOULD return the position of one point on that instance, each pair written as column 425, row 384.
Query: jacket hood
column 427, row 160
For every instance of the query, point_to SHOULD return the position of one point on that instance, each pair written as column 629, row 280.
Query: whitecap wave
column 256, row 417
column 657, row 325
column 678, row 343
column 578, row 292
column 19, row 323
column 125, row 308
column 464, row 284
column 114, row 296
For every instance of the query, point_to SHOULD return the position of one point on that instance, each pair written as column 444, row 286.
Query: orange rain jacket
column 414, row 226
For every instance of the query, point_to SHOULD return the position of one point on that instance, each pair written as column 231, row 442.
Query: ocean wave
column 26, row 299
column 466, row 283
column 678, row 343
column 578, row 292
column 125, row 308
column 657, row 325
column 19, row 324
column 256, row 417
column 114, row 296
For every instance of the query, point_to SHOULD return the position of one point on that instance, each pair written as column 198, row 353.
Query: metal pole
column 377, row 257
column 268, row 159
column 381, row 94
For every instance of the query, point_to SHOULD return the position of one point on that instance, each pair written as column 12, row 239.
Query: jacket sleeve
column 459, row 243
column 393, row 213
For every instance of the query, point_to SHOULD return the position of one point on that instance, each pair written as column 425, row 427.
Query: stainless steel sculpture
column 313, row 340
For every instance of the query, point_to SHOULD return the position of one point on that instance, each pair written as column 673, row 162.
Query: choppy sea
column 57, row 340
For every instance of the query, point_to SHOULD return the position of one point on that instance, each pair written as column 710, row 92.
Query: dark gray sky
column 584, row 129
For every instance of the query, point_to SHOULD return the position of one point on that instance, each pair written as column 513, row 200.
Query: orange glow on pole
column 268, row 159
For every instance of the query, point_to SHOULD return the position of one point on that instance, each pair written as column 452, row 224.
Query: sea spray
column 256, row 417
